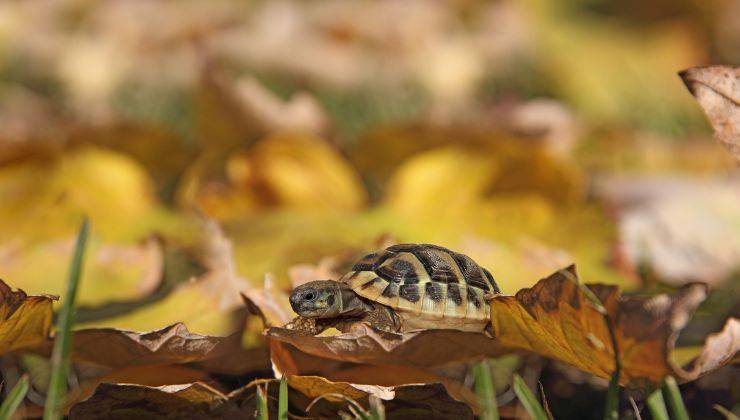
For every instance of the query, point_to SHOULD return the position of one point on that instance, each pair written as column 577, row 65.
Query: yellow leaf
column 25, row 321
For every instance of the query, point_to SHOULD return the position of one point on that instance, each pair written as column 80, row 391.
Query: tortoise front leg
column 312, row 326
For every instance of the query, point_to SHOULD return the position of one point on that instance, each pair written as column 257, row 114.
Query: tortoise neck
column 352, row 304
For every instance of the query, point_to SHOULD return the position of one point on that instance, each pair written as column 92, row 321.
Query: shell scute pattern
column 424, row 279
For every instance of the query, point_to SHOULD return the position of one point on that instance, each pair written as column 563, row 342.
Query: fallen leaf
column 163, row 357
column 717, row 89
column 112, row 348
column 368, row 345
column 115, row 400
column 25, row 321
column 554, row 318
column 207, row 304
column 126, row 401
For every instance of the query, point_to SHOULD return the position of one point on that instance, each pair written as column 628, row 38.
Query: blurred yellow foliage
column 46, row 197
column 287, row 170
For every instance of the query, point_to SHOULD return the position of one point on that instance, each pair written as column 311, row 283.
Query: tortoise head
column 317, row 299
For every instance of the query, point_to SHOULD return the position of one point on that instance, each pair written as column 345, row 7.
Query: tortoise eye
column 309, row 296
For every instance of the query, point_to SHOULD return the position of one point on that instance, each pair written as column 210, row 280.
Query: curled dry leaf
column 25, row 321
column 366, row 344
column 168, row 356
column 108, row 347
column 555, row 319
column 109, row 400
column 717, row 89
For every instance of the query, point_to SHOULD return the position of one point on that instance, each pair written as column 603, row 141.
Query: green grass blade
column 729, row 415
column 377, row 409
column 484, row 390
column 611, row 410
column 261, row 396
column 14, row 399
column 283, row 399
column 675, row 401
column 528, row 400
column 657, row 405
column 62, row 343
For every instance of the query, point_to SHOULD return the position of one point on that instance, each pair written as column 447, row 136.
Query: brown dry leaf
column 25, row 321
column 269, row 303
column 554, row 318
column 717, row 89
column 199, row 399
column 163, row 357
column 108, row 347
column 369, row 345
column 127, row 401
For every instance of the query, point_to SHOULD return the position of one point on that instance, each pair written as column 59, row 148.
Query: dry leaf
column 163, row 357
column 199, row 399
column 207, row 303
column 424, row 348
column 717, row 89
column 107, row 347
column 554, row 318
column 126, row 401
column 25, row 321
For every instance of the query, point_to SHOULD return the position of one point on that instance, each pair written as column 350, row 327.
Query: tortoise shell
column 425, row 281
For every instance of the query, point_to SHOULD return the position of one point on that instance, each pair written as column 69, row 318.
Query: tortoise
column 401, row 288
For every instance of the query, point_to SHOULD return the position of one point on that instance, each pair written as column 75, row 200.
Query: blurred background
column 528, row 134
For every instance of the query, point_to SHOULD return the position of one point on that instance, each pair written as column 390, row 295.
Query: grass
column 675, row 402
column 283, row 399
column 656, row 404
column 261, row 398
column 14, row 398
column 484, row 390
column 528, row 400
column 729, row 415
column 57, row 391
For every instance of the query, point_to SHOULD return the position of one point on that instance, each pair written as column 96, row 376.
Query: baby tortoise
column 402, row 288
